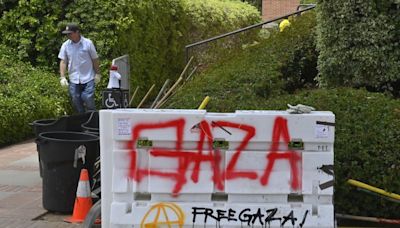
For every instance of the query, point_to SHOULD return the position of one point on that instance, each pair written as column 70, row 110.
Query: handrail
column 187, row 47
column 305, row 5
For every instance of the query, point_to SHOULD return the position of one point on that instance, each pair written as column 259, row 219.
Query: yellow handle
column 373, row 189
column 204, row 103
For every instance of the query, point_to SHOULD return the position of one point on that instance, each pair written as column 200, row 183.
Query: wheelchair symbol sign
column 110, row 102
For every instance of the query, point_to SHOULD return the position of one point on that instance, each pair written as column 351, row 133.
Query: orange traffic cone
column 83, row 201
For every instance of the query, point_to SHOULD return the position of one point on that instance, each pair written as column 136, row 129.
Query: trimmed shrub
column 211, row 17
column 359, row 44
column 256, row 3
column 216, row 17
column 295, row 47
column 26, row 94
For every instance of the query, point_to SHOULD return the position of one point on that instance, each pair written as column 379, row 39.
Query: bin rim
column 36, row 122
column 42, row 136
column 90, row 128
column 84, row 125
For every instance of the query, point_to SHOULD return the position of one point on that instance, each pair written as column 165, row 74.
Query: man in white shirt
column 79, row 55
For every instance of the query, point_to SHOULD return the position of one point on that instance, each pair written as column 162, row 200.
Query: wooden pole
column 162, row 90
column 168, row 93
column 175, row 85
column 145, row 96
column 191, row 73
column 133, row 96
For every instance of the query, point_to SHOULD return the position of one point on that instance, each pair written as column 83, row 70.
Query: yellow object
column 204, row 103
column 373, row 189
column 285, row 23
column 164, row 215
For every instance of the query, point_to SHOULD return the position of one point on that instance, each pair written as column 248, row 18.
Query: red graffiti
column 230, row 172
column 280, row 129
column 211, row 155
column 137, row 174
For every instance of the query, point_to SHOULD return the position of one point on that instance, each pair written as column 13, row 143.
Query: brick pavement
column 21, row 190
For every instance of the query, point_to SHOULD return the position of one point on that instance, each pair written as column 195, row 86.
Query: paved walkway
column 21, row 190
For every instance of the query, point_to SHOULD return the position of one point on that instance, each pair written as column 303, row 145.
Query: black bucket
column 61, row 169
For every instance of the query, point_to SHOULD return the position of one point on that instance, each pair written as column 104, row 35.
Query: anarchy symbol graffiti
column 163, row 215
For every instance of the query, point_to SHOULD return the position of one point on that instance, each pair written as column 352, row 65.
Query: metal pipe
column 362, row 185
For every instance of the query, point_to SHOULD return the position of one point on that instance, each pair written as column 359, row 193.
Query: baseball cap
column 70, row 28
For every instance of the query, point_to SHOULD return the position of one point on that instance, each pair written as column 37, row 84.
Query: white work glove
column 97, row 78
column 64, row 82
column 299, row 109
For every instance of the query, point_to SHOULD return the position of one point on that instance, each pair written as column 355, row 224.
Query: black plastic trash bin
column 60, row 177
column 92, row 125
column 64, row 123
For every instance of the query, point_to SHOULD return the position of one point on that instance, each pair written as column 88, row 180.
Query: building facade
column 275, row 8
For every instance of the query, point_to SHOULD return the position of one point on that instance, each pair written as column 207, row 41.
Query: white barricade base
column 166, row 214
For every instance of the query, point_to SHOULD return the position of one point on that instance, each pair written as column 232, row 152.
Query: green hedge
column 256, row 3
column 26, row 94
column 32, row 30
column 153, row 33
column 359, row 44
column 211, row 17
